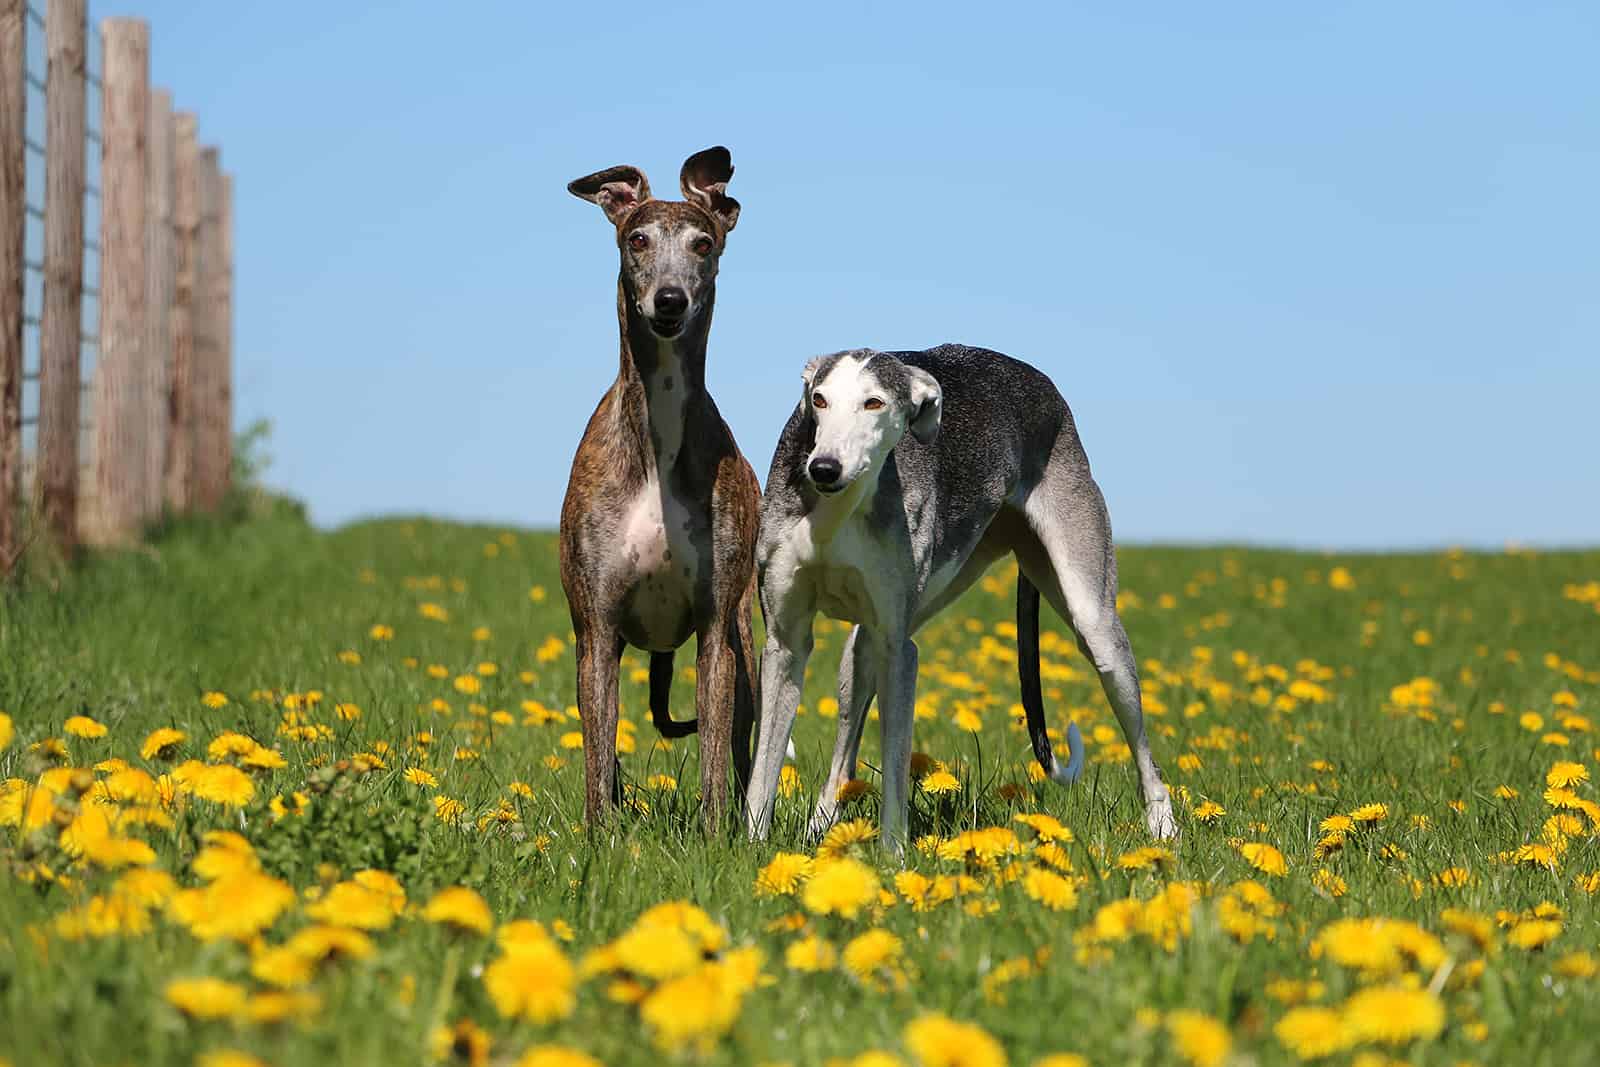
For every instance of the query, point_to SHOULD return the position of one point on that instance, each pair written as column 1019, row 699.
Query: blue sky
column 1322, row 275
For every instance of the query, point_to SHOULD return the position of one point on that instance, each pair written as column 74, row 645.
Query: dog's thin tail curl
column 660, row 689
column 1033, row 694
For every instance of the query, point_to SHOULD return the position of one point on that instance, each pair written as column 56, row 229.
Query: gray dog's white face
column 863, row 403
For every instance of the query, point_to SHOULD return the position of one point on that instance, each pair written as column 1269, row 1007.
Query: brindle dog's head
column 669, row 248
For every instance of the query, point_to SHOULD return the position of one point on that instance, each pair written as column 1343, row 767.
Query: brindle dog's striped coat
column 658, row 529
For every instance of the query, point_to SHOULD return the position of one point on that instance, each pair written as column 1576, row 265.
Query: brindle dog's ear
column 927, row 405
column 704, row 180
column 618, row 190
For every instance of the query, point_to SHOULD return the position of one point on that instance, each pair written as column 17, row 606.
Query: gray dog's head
column 669, row 248
column 862, row 404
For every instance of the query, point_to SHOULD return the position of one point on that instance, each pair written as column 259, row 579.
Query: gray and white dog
column 897, row 481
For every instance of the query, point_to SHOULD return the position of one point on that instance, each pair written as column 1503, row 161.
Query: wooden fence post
column 61, row 321
column 222, row 327
column 13, row 125
column 157, row 301
column 210, row 479
column 186, row 225
column 124, row 184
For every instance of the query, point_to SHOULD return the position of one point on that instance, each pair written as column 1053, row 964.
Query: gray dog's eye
column 638, row 242
column 701, row 246
column 873, row 404
column 818, row 400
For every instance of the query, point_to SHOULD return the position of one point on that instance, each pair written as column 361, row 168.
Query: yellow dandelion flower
column 536, row 982
column 7, row 732
column 223, row 784
column 466, row 1042
column 418, row 776
column 851, row 790
column 555, row 1055
column 1048, row 827
column 810, row 955
column 227, row 1057
column 1478, row 928
column 1337, row 824
column 282, row 966
column 85, row 727
column 789, row 782
column 214, row 699
column 1264, row 858
column 461, row 908
column 1565, row 774
column 1370, row 813
column 1533, row 934
column 352, row 904
column 1199, row 1038
column 1393, row 1015
column 263, row 1008
column 160, row 744
column 845, row 835
column 324, row 942
column 1209, row 811
column 1312, row 1033
column 939, row 782
column 1143, row 859
column 448, row 809
column 1576, row 965
column 205, row 998
column 938, row 1041
column 866, row 954
column 784, row 874
column 840, row 886
column 1050, row 889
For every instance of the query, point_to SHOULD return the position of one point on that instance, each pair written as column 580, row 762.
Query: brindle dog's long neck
column 660, row 383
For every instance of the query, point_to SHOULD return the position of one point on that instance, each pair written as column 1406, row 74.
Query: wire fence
column 116, row 288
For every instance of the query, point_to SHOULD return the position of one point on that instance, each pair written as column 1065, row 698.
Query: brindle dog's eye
column 873, row 404
column 818, row 400
column 638, row 242
column 701, row 246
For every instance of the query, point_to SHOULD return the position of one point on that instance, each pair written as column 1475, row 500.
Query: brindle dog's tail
column 661, row 688
column 1032, row 694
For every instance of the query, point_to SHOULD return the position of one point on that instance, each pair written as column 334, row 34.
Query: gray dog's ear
column 704, row 180
column 927, row 405
column 808, row 376
column 618, row 190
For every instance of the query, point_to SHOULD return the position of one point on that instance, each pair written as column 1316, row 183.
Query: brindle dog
column 658, row 530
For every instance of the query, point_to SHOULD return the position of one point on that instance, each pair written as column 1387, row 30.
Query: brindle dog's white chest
column 662, row 569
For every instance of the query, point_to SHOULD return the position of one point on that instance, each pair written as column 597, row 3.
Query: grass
column 1281, row 696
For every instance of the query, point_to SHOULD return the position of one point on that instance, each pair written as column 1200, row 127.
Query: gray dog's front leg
column 783, row 673
column 896, row 714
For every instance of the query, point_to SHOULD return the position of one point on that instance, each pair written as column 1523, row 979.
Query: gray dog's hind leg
column 1068, row 515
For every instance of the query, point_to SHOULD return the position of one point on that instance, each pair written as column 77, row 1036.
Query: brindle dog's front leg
column 715, row 667
column 599, row 653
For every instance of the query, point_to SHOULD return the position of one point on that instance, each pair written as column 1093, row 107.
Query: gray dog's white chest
column 661, row 569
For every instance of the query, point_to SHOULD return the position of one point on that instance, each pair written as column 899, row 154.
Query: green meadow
column 279, row 796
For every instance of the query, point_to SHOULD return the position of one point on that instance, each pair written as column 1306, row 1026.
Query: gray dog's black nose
column 825, row 470
column 671, row 303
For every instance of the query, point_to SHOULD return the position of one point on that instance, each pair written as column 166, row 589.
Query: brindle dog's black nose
column 825, row 470
column 671, row 303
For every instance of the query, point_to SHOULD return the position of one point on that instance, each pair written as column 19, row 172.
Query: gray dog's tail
column 1033, row 695
column 661, row 688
